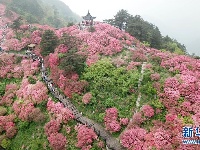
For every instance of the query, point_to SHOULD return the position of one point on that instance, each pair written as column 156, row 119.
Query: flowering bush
column 118, row 62
column 162, row 139
column 9, row 95
column 7, row 124
column 70, row 85
column 57, row 141
column 147, row 110
column 86, row 98
column 137, row 118
column 30, row 67
column 11, row 132
column 110, row 119
column 53, row 59
column 36, row 37
column 124, row 121
column 155, row 77
column 139, row 55
column 35, row 93
column 132, row 65
column 92, row 59
column 133, row 138
column 51, row 127
column 85, row 136
column 27, row 112
column 61, row 113
column 62, row 48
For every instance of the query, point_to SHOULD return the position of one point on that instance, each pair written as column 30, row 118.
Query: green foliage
column 91, row 29
column 30, row 135
column 148, row 89
column 173, row 46
column 16, row 24
column 121, row 17
column 146, row 43
column 49, row 42
column 181, row 100
column 27, row 7
column 2, row 88
column 31, row 18
column 111, row 87
column 54, row 12
column 18, row 60
column 70, row 24
column 63, row 11
column 3, row 111
column 23, row 125
column 146, row 77
column 5, row 143
column 187, row 120
column 105, row 78
column 72, row 62
column 145, row 32
column 70, row 41
column 178, row 51
column 157, row 104
column 31, row 80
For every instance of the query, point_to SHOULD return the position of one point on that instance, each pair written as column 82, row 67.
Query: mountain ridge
column 53, row 12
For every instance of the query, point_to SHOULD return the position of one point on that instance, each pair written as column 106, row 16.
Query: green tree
column 145, row 32
column 140, row 29
column 70, row 24
column 70, row 41
column 16, row 24
column 121, row 18
column 49, row 42
column 156, row 38
column 72, row 62
column 173, row 45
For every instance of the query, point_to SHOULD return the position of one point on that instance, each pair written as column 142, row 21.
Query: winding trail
column 111, row 142
column 139, row 85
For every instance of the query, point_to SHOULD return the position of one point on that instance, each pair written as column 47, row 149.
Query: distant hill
column 63, row 10
column 51, row 12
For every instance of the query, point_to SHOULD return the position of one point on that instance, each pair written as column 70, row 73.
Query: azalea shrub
column 35, row 93
column 59, row 112
column 85, row 137
column 10, row 93
column 111, row 122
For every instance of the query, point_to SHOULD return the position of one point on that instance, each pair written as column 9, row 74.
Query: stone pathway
column 139, row 85
column 111, row 142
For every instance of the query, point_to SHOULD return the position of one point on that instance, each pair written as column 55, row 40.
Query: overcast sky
column 180, row 19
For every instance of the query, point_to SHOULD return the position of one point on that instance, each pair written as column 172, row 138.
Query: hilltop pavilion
column 88, row 19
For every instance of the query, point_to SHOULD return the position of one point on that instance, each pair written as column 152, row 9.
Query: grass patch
column 30, row 136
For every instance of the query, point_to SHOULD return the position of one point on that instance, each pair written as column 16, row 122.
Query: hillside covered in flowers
column 142, row 96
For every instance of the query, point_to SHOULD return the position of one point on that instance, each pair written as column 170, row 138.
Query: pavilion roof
column 31, row 45
column 88, row 16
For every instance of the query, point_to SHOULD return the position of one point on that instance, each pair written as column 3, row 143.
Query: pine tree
column 49, row 42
